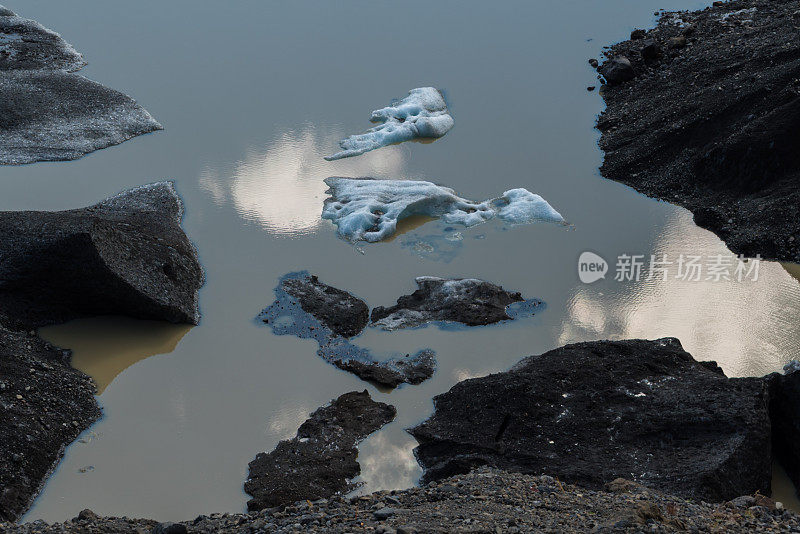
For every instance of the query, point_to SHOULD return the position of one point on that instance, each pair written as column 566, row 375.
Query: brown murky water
column 252, row 95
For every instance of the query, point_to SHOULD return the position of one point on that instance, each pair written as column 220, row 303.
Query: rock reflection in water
column 103, row 347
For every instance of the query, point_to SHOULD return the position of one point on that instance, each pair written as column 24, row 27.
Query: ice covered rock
column 47, row 113
column 468, row 301
column 421, row 115
column 321, row 460
column 368, row 209
column 791, row 367
column 309, row 309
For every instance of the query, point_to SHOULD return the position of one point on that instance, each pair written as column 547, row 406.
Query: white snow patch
column 737, row 13
column 368, row 210
column 421, row 115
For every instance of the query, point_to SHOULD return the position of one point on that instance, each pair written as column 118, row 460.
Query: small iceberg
column 421, row 115
column 366, row 209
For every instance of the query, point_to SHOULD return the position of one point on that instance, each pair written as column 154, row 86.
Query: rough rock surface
column 344, row 314
column 321, row 460
column 307, row 308
column 44, row 405
column 127, row 255
column 461, row 300
column 480, row 502
column 591, row 412
column 712, row 122
column 48, row 113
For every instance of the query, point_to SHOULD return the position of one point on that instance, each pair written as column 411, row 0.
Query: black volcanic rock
column 321, row 460
column 127, row 255
column 462, row 300
column 712, row 124
column 44, row 405
column 406, row 369
column 48, row 113
column 592, row 412
column 784, row 410
column 340, row 311
column 309, row 309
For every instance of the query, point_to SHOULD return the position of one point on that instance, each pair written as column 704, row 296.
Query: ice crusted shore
column 368, row 209
column 48, row 113
column 421, row 115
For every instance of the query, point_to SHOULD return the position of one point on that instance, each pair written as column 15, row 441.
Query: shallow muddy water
column 252, row 95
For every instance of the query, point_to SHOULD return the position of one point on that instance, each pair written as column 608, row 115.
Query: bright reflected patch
column 739, row 324
column 281, row 186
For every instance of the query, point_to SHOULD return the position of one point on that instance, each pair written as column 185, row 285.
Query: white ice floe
column 368, row 210
column 421, row 115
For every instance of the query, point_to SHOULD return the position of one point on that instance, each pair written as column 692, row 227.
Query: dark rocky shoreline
column 703, row 111
column 127, row 255
column 483, row 501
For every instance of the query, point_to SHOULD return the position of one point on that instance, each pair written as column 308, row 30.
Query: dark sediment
column 480, row 502
column 48, row 113
column 468, row 301
column 591, row 412
column 44, row 405
column 126, row 255
column 307, row 308
column 321, row 460
column 708, row 118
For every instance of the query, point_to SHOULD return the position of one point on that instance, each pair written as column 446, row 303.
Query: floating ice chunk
column 421, row 115
column 368, row 210
column 520, row 206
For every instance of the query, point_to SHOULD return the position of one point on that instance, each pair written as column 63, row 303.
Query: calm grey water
column 252, row 94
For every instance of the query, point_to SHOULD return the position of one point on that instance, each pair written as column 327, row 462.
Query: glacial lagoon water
column 252, row 95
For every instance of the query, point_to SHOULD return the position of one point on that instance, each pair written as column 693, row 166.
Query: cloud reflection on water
column 726, row 321
column 281, row 185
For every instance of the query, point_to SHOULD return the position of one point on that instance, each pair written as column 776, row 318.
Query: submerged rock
column 47, row 113
column 593, row 412
column 468, row 301
column 321, row 460
column 308, row 309
column 368, row 209
column 421, row 115
column 127, row 255
column 44, row 405
column 344, row 314
column 712, row 123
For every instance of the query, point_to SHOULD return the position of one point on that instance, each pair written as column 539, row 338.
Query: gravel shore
column 483, row 501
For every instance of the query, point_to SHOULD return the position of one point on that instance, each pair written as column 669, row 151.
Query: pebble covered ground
column 484, row 501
